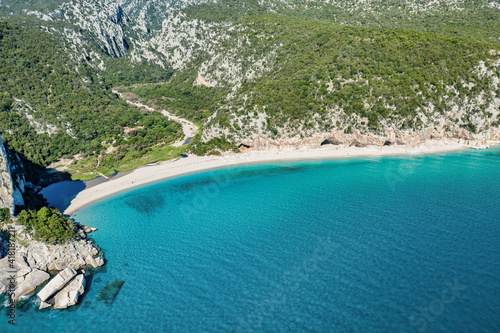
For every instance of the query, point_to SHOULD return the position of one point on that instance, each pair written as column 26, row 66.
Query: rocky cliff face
column 228, row 53
column 11, row 182
column 98, row 22
column 356, row 139
column 440, row 129
column 460, row 120
column 103, row 23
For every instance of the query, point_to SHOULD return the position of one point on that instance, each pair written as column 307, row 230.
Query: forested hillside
column 52, row 106
column 287, row 77
column 253, row 68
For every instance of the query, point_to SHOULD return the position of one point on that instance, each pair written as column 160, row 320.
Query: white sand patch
column 167, row 169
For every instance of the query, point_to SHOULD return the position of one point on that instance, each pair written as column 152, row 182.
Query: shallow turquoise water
column 394, row 244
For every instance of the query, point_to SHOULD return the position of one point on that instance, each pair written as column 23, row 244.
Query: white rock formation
column 10, row 192
column 68, row 296
column 44, row 305
column 57, row 257
column 32, row 258
column 94, row 262
column 58, row 282
column 31, row 281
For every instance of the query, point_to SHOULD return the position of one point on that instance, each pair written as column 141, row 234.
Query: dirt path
column 188, row 127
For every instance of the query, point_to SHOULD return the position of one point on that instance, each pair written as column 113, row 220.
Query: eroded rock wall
column 11, row 183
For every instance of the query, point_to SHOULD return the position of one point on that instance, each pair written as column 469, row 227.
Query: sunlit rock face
column 11, row 183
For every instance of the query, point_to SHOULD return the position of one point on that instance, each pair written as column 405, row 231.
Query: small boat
column 85, row 228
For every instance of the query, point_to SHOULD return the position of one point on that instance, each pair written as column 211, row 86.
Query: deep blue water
column 393, row 244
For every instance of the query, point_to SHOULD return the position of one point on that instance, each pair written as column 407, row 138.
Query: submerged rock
column 68, row 296
column 58, row 282
column 108, row 293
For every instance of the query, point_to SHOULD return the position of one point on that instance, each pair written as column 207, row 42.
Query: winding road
column 188, row 127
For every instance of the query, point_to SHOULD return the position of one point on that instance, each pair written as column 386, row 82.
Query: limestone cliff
column 357, row 139
column 11, row 183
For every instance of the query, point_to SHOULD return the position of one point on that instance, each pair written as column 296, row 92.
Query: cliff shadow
column 30, row 178
column 59, row 195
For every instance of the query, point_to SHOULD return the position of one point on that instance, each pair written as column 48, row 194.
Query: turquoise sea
column 378, row 244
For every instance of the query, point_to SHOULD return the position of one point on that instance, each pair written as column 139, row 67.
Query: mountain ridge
column 235, row 57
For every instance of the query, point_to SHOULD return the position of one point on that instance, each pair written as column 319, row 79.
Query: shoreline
column 168, row 169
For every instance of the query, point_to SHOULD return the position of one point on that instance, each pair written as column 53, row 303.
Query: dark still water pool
column 393, row 244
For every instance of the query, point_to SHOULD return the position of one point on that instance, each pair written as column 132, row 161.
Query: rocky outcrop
column 44, row 305
column 11, row 183
column 261, row 142
column 391, row 137
column 58, row 282
column 68, row 296
column 85, row 228
column 94, row 262
column 63, row 290
column 76, row 254
column 26, row 272
column 30, row 282
column 12, row 265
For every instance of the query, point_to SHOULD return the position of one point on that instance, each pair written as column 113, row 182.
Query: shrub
column 48, row 225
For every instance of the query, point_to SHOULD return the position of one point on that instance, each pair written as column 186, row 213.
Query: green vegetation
column 122, row 160
column 49, row 111
column 17, row 6
column 472, row 19
column 120, row 71
column 48, row 225
column 4, row 214
column 195, row 103
column 371, row 77
column 380, row 74
column 351, row 57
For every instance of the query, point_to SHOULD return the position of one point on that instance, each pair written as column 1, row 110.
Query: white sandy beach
column 167, row 169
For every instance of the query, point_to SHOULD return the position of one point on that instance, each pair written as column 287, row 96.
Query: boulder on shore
column 94, row 262
column 58, row 282
column 32, row 280
column 44, row 305
column 68, row 296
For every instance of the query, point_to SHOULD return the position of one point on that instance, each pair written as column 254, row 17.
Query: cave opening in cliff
column 329, row 142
